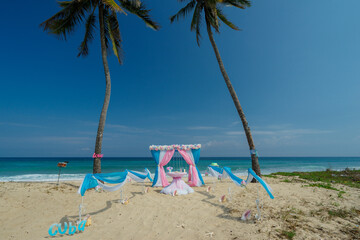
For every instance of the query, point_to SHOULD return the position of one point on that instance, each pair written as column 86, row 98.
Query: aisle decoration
column 216, row 171
column 118, row 178
column 251, row 174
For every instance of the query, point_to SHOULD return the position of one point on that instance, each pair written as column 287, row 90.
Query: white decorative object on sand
column 177, row 185
column 246, row 215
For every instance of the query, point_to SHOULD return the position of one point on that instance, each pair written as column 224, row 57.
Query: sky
column 295, row 66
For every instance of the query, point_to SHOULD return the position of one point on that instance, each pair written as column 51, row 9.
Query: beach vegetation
column 211, row 13
column 286, row 180
column 288, row 234
column 270, row 176
column 344, row 213
column 320, row 185
column 89, row 13
column 327, row 213
column 346, row 177
column 340, row 194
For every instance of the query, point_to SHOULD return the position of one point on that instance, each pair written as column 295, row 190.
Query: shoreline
column 78, row 178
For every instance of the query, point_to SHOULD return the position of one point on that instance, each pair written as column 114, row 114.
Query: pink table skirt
column 177, row 184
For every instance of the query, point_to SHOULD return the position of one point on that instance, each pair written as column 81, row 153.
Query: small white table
column 177, row 184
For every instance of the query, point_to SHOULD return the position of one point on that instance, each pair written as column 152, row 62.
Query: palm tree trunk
column 100, row 131
column 254, row 157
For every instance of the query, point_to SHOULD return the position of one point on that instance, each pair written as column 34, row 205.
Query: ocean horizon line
column 204, row 157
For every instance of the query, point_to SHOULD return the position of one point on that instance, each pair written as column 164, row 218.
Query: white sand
column 28, row 209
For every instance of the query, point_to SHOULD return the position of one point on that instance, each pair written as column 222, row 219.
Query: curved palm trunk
column 254, row 157
column 100, row 131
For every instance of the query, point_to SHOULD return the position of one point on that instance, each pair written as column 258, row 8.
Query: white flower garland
column 174, row 146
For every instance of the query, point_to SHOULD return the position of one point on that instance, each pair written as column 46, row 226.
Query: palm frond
column 114, row 34
column 211, row 3
column 211, row 17
column 196, row 22
column 64, row 4
column 64, row 22
column 113, row 5
column 89, row 29
column 184, row 11
column 106, row 30
column 138, row 8
column 223, row 18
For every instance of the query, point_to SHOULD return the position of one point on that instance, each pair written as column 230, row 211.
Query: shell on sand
column 88, row 221
column 223, row 198
column 246, row 215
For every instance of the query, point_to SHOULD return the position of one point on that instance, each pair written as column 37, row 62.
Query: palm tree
column 211, row 11
column 74, row 13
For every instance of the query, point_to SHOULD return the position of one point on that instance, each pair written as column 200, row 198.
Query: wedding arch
column 163, row 154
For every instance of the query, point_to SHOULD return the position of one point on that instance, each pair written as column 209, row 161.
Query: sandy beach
column 27, row 210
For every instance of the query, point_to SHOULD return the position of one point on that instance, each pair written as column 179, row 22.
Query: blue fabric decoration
column 116, row 177
column 155, row 177
column 138, row 174
column 238, row 181
column 156, row 156
column 196, row 154
column 148, row 176
column 200, row 177
column 217, row 169
column 261, row 182
column 89, row 182
column 254, row 151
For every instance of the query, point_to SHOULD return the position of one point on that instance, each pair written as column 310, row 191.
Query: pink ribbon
column 98, row 155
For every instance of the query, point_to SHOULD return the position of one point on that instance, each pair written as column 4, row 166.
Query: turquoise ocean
column 45, row 169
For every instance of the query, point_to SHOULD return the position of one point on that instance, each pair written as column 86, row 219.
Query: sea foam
column 41, row 178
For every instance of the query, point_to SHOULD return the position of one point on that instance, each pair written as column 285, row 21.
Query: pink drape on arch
column 193, row 175
column 166, row 159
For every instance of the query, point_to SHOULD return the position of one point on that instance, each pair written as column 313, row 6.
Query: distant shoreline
column 79, row 177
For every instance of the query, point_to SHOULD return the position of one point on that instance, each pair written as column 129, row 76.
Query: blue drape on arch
column 196, row 155
column 156, row 156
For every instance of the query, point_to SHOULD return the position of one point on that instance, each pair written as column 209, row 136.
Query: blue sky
column 295, row 66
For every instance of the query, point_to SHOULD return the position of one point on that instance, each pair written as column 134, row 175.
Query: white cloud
column 64, row 139
column 128, row 129
column 202, row 128
column 235, row 123
column 220, row 143
column 235, row 133
column 21, row 125
column 282, row 132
